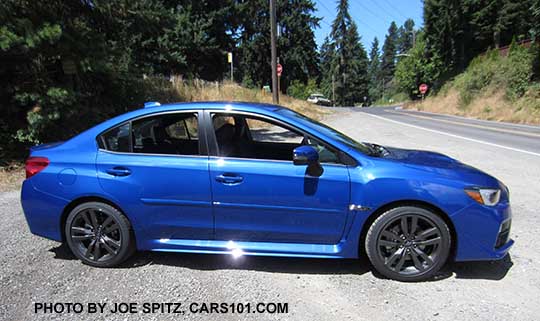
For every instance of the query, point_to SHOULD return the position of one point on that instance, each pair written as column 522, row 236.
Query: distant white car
column 319, row 99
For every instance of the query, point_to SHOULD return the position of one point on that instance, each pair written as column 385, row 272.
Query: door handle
column 229, row 179
column 118, row 171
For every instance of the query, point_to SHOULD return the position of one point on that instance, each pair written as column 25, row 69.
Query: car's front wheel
column 408, row 243
column 99, row 234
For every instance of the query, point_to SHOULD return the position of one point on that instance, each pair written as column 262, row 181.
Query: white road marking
column 456, row 136
column 503, row 130
column 477, row 120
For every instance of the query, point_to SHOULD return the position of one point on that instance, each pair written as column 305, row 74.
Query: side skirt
column 240, row 248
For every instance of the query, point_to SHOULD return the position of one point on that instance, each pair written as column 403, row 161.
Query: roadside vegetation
column 68, row 65
column 228, row 91
column 163, row 90
column 494, row 86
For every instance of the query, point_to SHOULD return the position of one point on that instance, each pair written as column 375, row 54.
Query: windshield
column 327, row 130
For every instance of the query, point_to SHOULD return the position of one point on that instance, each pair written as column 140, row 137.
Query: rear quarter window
column 117, row 139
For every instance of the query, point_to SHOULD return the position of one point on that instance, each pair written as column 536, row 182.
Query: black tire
column 401, row 253
column 99, row 234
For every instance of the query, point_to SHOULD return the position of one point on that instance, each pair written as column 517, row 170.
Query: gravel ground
column 33, row 269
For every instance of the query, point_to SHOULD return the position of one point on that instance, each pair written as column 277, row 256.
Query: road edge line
column 455, row 136
column 504, row 123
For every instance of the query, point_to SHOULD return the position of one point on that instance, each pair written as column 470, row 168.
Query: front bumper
column 483, row 232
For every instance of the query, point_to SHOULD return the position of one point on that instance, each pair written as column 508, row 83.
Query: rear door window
column 165, row 134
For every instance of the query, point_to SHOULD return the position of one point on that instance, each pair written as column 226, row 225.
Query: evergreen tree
column 406, row 35
column 327, row 55
column 296, row 45
column 388, row 59
column 358, row 86
column 456, row 31
column 374, row 71
column 348, row 59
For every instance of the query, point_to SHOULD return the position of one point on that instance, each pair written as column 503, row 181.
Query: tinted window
column 243, row 136
column 117, row 139
column 171, row 134
column 263, row 131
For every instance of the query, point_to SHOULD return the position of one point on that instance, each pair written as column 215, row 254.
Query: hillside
column 495, row 86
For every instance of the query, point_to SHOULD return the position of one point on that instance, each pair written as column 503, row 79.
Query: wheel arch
column 81, row 200
column 422, row 204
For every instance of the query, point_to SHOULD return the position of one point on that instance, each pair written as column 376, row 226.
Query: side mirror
column 305, row 155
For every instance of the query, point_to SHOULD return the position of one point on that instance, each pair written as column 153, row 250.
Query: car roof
column 218, row 105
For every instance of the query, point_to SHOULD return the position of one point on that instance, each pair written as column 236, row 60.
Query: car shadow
column 486, row 270
column 213, row 262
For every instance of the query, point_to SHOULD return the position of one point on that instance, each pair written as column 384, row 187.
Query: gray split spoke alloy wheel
column 408, row 243
column 99, row 235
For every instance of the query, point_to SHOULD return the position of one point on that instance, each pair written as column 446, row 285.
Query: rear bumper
column 43, row 211
column 483, row 232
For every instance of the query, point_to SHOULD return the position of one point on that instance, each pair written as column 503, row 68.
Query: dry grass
column 227, row 91
column 491, row 105
column 11, row 177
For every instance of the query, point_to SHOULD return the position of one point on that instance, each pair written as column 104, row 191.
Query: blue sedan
column 253, row 179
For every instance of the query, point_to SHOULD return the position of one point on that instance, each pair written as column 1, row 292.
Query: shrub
column 299, row 90
column 492, row 71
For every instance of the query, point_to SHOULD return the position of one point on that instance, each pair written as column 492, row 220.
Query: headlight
column 485, row 196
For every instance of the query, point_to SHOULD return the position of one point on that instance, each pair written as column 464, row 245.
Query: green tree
column 459, row 30
column 297, row 49
column 374, row 71
column 67, row 65
column 348, row 60
column 389, row 51
column 417, row 68
column 406, row 35
column 326, row 62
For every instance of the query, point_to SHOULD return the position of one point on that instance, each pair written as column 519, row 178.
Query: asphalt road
column 514, row 137
column 34, row 270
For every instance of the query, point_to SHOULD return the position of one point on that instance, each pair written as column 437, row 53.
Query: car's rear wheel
column 408, row 243
column 99, row 234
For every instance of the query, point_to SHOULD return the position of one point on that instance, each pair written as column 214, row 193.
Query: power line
column 366, row 25
column 358, row 21
column 324, row 6
column 394, row 8
column 326, row 23
column 383, row 9
column 328, row 10
column 371, row 12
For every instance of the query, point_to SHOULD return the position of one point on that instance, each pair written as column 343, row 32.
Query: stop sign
column 279, row 69
column 423, row 88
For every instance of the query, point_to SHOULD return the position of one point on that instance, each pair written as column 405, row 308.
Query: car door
column 260, row 196
column 155, row 167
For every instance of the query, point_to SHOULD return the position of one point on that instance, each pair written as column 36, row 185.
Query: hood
column 440, row 164
column 421, row 157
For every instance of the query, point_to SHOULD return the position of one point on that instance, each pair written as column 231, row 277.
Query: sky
column 372, row 17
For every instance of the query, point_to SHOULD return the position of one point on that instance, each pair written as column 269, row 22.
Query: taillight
column 35, row 165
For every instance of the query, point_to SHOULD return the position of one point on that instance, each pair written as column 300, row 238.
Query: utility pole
column 230, row 59
column 273, row 50
column 383, row 89
column 333, row 90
